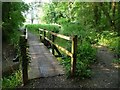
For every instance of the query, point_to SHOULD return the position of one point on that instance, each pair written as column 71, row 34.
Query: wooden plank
column 43, row 63
column 44, row 35
column 58, row 35
column 61, row 36
column 53, row 38
column 61, row 48
column 64, row 50
column 41, row 29
column 46, row 31
column 74, row 52
column 48, row 39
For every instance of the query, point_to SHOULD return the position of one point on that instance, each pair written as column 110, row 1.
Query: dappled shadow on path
column 105, row 74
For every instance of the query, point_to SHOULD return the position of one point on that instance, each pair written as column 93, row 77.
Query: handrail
column 72, row 54
column 58, row 35
column 61, row 48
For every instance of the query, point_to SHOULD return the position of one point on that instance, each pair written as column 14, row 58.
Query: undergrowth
column 109, row 39
column 50, row 27
column 86, row 54
column 12, row 81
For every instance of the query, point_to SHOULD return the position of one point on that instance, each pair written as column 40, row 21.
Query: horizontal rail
column 41, row 29
column 64, row 50
column 61, row 36
column 72, row 54
column 41, row 35
column 56, row 34
column 61, row 48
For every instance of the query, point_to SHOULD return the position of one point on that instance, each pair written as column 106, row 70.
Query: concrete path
column 43, row 63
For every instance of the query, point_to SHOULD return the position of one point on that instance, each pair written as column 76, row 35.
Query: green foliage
column 14, row 38
column 66, row 63
column 50, row 27
column 86, row 54
column 116, row 61
column 12, row 19
column 109, row 39
column 12, row 81
column 93, row 23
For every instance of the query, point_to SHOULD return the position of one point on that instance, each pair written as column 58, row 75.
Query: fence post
column 40, row 35
column 23, row 44
column 53, row 39
column 44, row 35
column 73, row 58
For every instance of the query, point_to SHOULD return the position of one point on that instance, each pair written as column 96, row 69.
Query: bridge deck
column 43, row 63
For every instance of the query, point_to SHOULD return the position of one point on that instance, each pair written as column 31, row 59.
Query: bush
column 109, row 39
column 35, row 27
column 86, row 54
column 14, row 38
column 12, row 81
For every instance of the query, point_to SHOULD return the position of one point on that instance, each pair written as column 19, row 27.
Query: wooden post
column 23, row 44
column 73, row 58
column 53, row 39
column 40, row 35
column 44, row 35
column 25, row 31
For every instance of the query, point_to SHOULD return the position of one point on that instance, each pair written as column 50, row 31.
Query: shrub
column 86, row 54
column 35, row 27
column 109, row 39
column 11, row 81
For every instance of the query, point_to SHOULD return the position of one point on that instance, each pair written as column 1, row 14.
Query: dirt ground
column 105, row 75
column 8, row 54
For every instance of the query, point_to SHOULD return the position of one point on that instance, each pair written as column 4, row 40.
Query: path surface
column 43, row 63
column 105, row 75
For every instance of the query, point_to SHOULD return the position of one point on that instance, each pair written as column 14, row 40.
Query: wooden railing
column 72, row 54
column 23, row 51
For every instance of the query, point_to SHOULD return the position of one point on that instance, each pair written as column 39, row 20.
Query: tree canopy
column 12, row 17
column 100, row 15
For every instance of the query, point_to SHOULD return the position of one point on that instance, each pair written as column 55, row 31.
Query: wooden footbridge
column 42, row 62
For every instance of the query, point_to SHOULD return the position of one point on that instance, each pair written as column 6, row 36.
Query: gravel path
column 105, row 76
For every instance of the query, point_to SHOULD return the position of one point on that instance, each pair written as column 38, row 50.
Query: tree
column 12, row 17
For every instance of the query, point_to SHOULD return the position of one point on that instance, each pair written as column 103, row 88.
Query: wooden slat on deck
column 43, row 63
